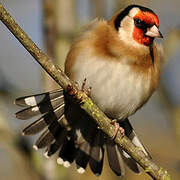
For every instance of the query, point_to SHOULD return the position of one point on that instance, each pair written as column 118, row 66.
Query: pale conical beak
column 153, row 32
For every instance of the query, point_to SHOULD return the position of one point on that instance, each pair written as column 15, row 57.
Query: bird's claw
column 118, row 128
column 83, row 89
column 83, row 85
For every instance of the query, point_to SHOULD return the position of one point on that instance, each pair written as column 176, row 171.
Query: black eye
column 140, row 24
column 137, row 21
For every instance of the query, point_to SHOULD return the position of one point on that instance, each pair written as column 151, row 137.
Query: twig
column 50, row 38
column 103, row 122
column 50, row 29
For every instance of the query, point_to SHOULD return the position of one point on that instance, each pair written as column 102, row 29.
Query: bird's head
column 136, row 25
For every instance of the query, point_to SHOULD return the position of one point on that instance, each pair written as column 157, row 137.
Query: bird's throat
column 139, row 36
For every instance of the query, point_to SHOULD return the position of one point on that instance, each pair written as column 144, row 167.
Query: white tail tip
column 66, row 164
column 81, row 170
column 46, row 155
column 60, row 161
column 23, row 134
column 35, row 147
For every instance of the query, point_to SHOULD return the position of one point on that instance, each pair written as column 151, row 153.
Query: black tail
column 69, row 130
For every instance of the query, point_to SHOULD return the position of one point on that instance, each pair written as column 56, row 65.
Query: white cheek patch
column 126, row 30
column 125, row 33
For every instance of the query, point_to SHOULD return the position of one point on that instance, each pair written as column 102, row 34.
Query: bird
column 121, row 62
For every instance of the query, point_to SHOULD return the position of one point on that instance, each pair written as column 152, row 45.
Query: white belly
column 117, row 90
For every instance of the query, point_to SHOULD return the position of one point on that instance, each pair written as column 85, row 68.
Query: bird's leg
column 118, row 128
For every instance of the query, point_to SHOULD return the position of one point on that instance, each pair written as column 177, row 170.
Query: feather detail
column 97, row 154
column 53, row 148
column 82, row 156
column 44, row 140
column 41, row 108
column 49, row 135
column 68, row 151
column 114, row 158
column 130, row 133
column 45, row 120
column 129, row 161
column 36, row 99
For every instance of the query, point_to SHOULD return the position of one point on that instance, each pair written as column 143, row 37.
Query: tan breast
column 121, row 82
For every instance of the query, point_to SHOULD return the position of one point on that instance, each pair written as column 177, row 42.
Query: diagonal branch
column 103, row 122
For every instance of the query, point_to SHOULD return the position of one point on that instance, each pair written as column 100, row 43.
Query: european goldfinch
column 121, row 62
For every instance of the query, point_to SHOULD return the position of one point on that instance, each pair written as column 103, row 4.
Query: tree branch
column 103, row 122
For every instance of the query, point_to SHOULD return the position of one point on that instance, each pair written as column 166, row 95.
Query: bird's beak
column 154, row 32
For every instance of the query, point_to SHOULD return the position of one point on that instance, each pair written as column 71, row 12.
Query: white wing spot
column 35, row 109
column 31, row 101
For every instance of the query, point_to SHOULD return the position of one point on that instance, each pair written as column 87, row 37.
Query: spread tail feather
column 49, row 135
column 39, row 104
column 97, row 154
column 130, row 133
column 68, row 151
column 56, row 144
column 33, row 100
column 82, row 156
column 71, row 131
column 114, row 158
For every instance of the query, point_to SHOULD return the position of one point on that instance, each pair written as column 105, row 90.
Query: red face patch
column 147, row 17
column 139, row 34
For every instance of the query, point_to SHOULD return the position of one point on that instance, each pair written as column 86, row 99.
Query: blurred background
column 52, row 25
